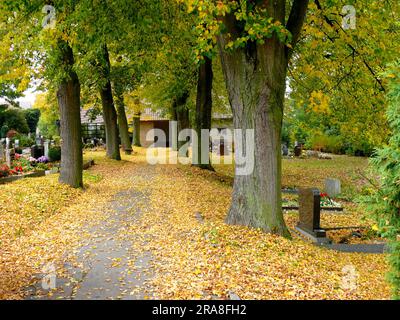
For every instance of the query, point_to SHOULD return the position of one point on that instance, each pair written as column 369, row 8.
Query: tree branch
column 296, row 19
column 331, row 24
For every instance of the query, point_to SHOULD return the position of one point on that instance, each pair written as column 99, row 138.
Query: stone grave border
column 309, row 228
column 41, row 173
column 36, row 174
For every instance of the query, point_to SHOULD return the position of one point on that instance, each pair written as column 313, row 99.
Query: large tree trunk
column 183, row 123
column 203, row 112
column 123, row 123
column 68, row 96
column 182, row 117
column 136, row 130
column 109, row 113
column 255, row 78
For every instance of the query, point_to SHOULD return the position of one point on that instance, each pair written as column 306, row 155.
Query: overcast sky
column 27, row 101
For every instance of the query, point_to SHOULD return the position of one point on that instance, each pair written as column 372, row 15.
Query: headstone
column 332, row 187
column 8, row 152
column 46, row 148
column 309, row 214
column 16, row 144
column 285, row 150
column 37, row 152
column 297, row 151
column 221, row 147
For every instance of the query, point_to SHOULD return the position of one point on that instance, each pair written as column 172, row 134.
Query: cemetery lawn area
column 195, row 255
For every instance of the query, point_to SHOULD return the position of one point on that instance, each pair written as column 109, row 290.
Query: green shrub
column 24, row 141
column 325, row 143
column 360, row 148
column 55, row 153
column 3, row 131
column 383, row 201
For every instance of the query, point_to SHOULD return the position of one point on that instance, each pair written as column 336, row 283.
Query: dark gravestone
column 297, row 151
column 221, row 147
column 37, row 151
column 309, row 213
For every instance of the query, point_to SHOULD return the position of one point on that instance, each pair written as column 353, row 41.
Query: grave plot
column 17, row 163
column 309, row 227
column 327, row 201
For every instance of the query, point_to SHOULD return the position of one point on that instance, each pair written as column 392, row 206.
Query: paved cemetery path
column 109, row 268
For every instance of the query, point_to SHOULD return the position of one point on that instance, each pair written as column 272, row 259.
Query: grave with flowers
column 15, row 166
column 327, row 203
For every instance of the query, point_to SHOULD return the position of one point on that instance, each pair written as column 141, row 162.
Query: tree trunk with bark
column 109, row 112
column 123, row 122
column 68, row 96
column 182, row 117
column 136, row 130
column 256, row 81
column 204, row 112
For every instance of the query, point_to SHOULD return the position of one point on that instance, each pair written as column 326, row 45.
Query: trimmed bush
column 55, row 153
column 325, row 143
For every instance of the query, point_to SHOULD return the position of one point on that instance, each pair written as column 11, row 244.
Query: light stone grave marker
column 332, row 187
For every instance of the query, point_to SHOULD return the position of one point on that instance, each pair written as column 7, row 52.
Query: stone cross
column 309, row 213
column 46, row 148
column 332, row 187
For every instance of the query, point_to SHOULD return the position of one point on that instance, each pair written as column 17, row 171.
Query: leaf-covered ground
column 194, row 253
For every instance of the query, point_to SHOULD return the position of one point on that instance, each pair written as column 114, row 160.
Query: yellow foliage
column 319, row 102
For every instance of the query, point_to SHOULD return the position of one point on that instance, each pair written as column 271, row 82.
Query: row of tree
column 165, row 51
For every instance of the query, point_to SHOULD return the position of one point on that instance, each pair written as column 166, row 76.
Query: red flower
column 323, row 195
column 18, row 169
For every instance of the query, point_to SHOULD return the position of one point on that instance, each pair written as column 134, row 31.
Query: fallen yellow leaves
column 192, row 258
column 208, row 260
column 42, row 221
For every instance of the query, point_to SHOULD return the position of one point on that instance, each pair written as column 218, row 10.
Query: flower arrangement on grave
column 21, row 165
column 32, row 160
column 17, row 170
column 326, row 201
column 43, row 159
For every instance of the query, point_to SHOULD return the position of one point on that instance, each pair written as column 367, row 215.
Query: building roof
column 149, row 114
column 86, row 118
